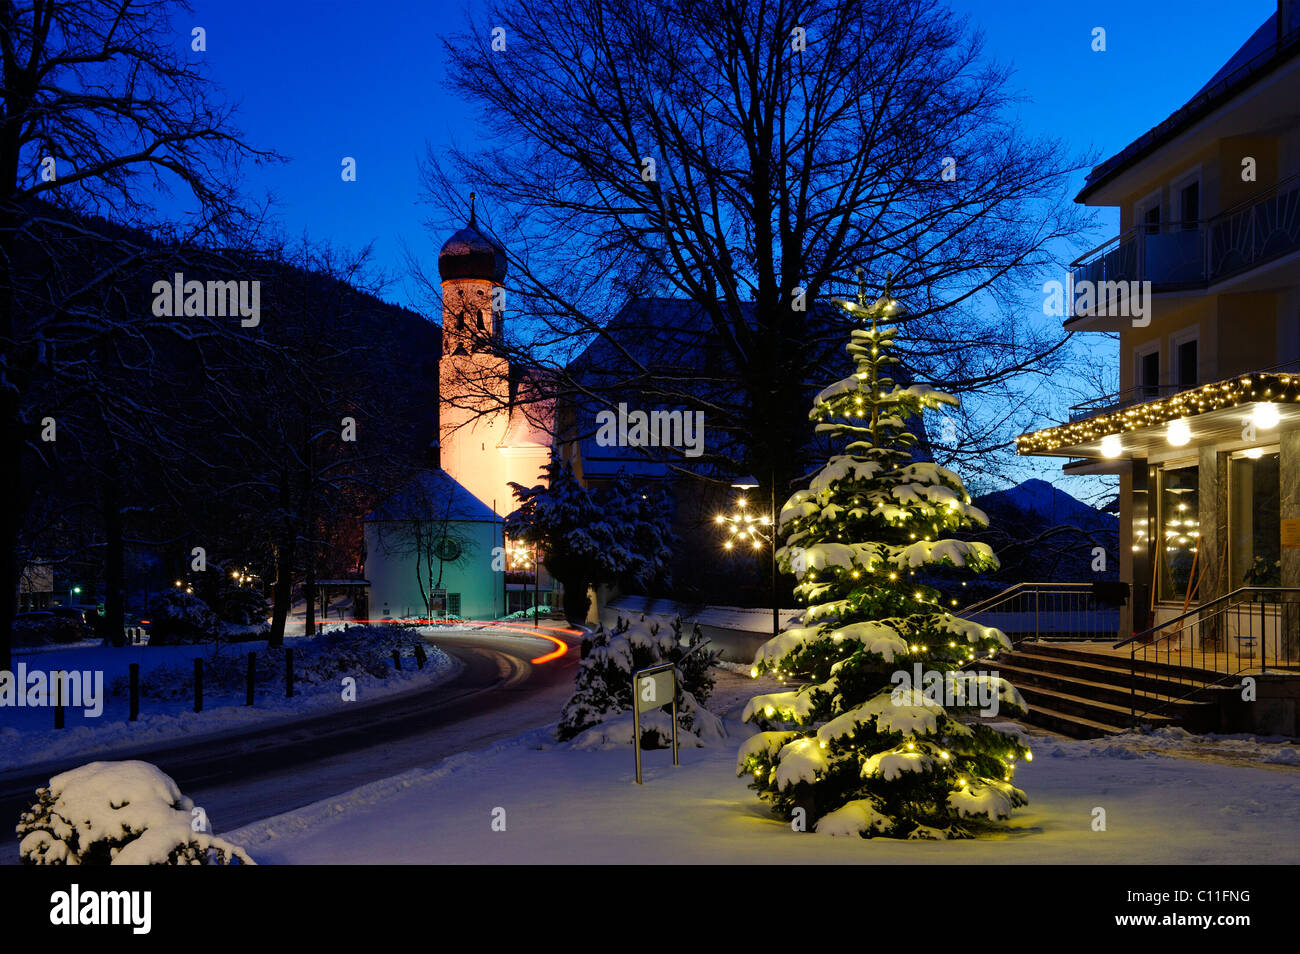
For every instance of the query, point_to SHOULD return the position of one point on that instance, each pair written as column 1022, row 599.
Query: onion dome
column 470, row 254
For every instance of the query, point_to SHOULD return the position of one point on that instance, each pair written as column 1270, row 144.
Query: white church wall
column 395, row 587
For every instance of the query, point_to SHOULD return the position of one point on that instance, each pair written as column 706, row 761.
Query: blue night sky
column 322, row 80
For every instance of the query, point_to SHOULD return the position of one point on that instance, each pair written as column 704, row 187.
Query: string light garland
column 1235, row 392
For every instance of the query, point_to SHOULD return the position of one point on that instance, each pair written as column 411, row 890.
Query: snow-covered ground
column 1214, row 800
column 28, row 736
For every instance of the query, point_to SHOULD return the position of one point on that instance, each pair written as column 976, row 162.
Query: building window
column 453, row 604
column 1179, row 531
column 1151, row 219
column 1148, row 374
column 1185, row 357
column 1189, row 200
column 1255, row 525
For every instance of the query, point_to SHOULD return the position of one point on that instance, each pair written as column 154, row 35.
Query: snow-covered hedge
column 119, row 813
column 599, row 713
column 355, row 651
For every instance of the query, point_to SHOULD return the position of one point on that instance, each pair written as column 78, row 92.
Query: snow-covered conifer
column 858, row 745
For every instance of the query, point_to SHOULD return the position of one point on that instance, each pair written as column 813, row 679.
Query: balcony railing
column 1195, row 254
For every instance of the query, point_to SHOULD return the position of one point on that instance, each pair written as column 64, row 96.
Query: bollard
column 135, row 691
column 421, row 657
column 288, row 673
column 397, row 660
column 198, row 685
column 58, row 699
column 248, row 682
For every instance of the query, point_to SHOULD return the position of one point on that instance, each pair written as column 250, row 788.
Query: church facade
column 436, row 547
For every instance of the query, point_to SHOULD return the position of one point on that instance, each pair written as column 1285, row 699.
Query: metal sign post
column 649, row 686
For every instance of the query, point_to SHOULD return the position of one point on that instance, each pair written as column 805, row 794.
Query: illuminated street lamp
column 751, row 531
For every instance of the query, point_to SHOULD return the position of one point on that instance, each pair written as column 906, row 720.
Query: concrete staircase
column 1087, row 694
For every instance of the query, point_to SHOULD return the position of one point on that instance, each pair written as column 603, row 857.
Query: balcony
column 1197, row 254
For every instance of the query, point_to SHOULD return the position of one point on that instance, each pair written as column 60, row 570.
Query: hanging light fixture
column 1111, row 446
column 1265, row 415
column 1178, row 433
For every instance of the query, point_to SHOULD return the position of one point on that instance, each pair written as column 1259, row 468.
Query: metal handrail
column 983, row 606
column 1205, row 227
column 1225, row 598
column 1045, row 608
column 1212, row 615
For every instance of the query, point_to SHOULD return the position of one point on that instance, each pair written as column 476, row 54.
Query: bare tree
column 103, row 114
column 749, row 156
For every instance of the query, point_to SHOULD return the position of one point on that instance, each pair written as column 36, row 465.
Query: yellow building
column 1202, row 286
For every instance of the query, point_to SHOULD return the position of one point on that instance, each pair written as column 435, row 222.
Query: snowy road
column 498, row 694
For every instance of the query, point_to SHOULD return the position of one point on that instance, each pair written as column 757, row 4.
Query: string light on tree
column 844, row 745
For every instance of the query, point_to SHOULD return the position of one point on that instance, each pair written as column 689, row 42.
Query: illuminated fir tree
column 860, row 747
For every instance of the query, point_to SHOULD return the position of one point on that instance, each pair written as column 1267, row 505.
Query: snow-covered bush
column 180, row 617
column 42, row 629
column 243, row 607
column 603, row 697
column 542, row 610
column 118, row 813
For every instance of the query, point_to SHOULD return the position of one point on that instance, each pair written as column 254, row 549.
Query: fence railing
column 1250, row 629
column 1051, row 611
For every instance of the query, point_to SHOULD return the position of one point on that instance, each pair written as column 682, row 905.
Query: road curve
column 242, row 778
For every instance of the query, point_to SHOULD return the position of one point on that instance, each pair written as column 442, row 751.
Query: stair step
column 1093, row 671
column 1101, row 669
column 1119, row 695
column 1078, row 727
column 1155, row 667
column 1087, row 708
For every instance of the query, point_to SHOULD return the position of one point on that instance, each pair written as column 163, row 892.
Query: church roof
column 471, row 254
column 433, row 495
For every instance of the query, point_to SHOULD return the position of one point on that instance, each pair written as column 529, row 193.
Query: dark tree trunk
column 309, row 544
column 10, row 571
column 114, row 621
column 576, row 601
column 282, row 590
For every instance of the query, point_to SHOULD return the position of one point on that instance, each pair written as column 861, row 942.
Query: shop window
column 1254, row 520
column 1179, row 532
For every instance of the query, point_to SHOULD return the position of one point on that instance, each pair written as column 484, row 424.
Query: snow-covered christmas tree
column 879, row 738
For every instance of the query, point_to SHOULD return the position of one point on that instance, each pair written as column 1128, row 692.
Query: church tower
column 474, row 377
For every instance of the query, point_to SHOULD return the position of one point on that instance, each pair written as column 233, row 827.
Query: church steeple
column 472, row 268
column 474, row 375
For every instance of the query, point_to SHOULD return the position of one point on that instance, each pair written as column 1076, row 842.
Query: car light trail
column 538, row 632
